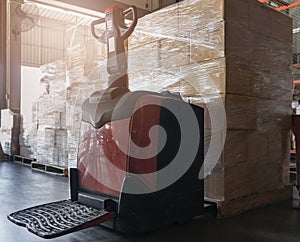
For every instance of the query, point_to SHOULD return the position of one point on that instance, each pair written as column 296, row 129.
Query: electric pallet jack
column 128, row 144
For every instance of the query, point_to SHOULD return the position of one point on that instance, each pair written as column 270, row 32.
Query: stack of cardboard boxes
column 83, row 78
column 2, row 155
column 233, row 56
column 54, row 133
column 45, row 137
column 9, row 130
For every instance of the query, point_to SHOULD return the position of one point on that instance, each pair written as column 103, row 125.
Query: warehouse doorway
column 54, row 56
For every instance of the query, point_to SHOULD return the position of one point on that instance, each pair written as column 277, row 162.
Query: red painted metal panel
column 100, row 160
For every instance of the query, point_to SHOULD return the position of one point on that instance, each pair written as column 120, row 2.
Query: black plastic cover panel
column 59, row 218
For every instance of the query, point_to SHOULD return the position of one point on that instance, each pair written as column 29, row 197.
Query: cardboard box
column 277, row 87
column 273, row 115
column 214, row 185
column 10, row 131
column 52, row 147
column 236, row 148
column 244, row 179
column 238, row 76
column 241, row 111
column 207, row 43
column 237, row 11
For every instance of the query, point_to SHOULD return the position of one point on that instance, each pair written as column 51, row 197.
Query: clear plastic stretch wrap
column 10, row 125
column 83, row 78
column 54, row 133
column 231, row 57
column 225, row 55
column 45, row 136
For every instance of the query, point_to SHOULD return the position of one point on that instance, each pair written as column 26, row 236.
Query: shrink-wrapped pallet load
column 9, row 132
column 231, row 57
column 235, row 55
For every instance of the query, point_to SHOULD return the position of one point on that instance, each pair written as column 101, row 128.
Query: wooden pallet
column 2, row 155
column 23, row 160
column 48, row 168
column 242, row 204
column 34, row 165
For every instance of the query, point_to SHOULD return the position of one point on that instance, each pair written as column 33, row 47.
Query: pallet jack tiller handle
column 93, row 28
column 115, row 34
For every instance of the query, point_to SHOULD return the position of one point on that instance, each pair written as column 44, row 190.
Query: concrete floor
column 21, row 188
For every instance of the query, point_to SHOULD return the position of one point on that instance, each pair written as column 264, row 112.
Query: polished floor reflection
column 20, row 187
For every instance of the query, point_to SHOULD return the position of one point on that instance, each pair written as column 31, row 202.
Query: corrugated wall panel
column 30, row 55
column 32, row 36
column 31, row 46
column 52, row 38
column 49, row 55
column 44, row 43
column 49, row 39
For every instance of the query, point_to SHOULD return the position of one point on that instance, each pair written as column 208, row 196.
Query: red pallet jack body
column 109, row 185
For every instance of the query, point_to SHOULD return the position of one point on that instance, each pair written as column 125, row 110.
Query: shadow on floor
column 21, row 188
